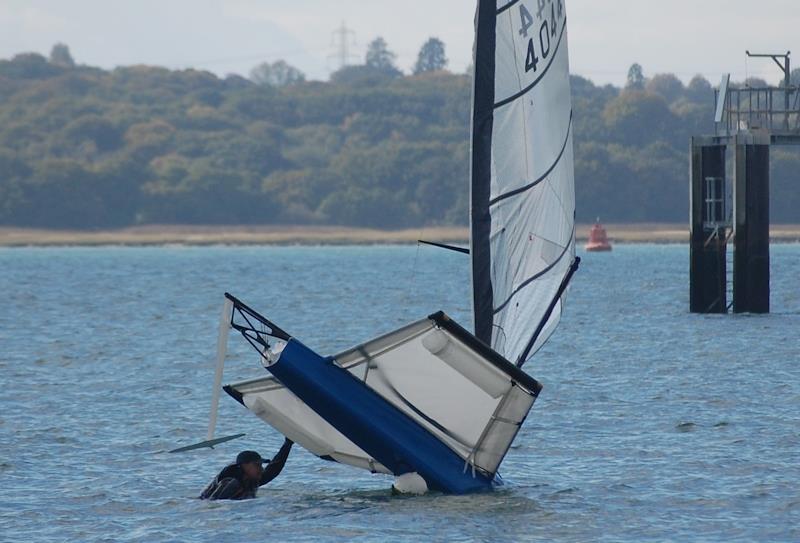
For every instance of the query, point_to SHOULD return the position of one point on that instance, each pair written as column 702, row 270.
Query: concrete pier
column 751, row 228
column 707, row 264
column 747, row 120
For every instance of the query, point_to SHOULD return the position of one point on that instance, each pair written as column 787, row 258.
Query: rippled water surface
column 654, row 424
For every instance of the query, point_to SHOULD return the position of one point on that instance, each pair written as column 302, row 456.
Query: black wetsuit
column 231, row 484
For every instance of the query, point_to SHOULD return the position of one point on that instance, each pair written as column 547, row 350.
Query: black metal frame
column 256, row 336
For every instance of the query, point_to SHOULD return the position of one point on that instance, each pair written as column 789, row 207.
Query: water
column 654, row 424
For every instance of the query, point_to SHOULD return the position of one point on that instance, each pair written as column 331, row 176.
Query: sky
column 684, row 37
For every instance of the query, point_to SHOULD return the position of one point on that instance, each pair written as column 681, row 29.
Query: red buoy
column 598, row 240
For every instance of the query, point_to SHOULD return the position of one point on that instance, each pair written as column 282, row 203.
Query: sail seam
column 535, row 82
column 544, row 175
column 567, row 214
column 552, row 242
column 524, row 116
column 536, row 276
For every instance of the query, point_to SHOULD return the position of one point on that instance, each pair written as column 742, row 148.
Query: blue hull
column 379, row 428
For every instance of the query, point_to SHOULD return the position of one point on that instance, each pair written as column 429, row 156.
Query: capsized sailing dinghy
column 432, row 399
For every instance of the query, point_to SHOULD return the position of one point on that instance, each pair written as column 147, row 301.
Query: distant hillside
column 81, row 147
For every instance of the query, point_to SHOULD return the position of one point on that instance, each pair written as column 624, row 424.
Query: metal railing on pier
column 773, row 109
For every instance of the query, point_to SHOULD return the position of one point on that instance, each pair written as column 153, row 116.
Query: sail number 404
column 539, row 41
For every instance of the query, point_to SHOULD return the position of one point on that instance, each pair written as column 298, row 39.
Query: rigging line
column 544, row 175
column 547, row 314
column 462, row 250
column 414, row 287
column 535, row 82
column 536, row 276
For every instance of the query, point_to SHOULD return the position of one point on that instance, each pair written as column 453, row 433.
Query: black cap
column 245, row 457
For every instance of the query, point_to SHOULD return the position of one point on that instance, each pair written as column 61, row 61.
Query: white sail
column 523, row 197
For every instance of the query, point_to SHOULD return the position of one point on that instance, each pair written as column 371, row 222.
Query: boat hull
column 428, row 398
column 373, row 424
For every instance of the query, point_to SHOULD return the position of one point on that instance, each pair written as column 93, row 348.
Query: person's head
column 251, row 464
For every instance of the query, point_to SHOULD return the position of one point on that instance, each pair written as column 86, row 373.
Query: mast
column 481, row 171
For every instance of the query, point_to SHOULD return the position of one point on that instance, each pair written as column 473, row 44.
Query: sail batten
column 533, row 278
column 542, row 177
column 541, row 76
column 523, row 195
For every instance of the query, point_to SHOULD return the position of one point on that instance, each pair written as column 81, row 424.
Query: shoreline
column 159, row 235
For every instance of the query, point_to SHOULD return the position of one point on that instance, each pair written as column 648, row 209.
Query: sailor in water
column 240, row 481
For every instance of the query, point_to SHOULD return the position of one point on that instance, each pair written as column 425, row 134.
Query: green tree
column 64, row 193
column 299, row 193
column 13, row 172
column 372, row 207
column 276, row 74
column 360, row 76
column 96, row 129
column 60, row 56
column 699, row 90
column 667, row 86
column 638, row 118
column 28, row 66
column 381, row 58
column 635, row 77
column 82, row 147
column 431, row 57
column 756, row 83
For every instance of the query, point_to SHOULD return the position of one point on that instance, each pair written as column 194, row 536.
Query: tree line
column 82, row 147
